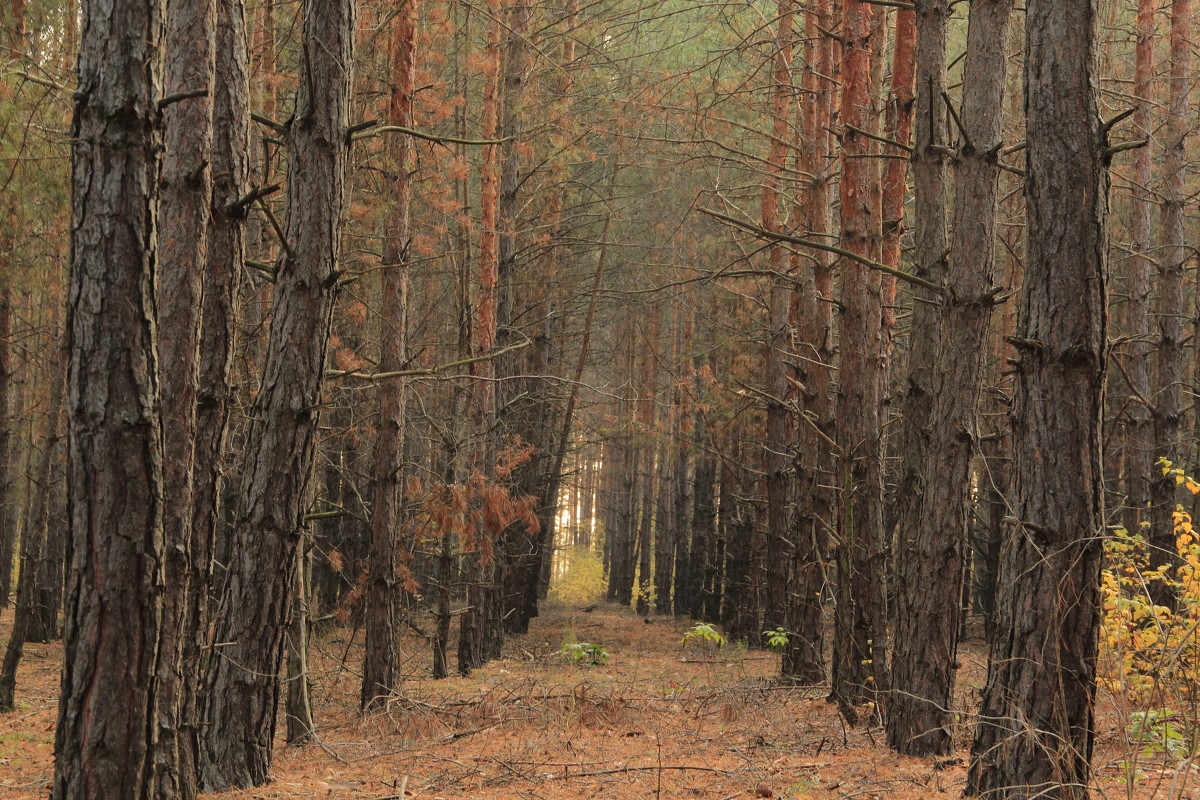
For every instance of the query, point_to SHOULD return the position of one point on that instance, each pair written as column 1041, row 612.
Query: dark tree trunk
column 35, row 547
column 804, row 659
column 226, row 257
column 700, row 566
column 682, row 587
column 8, row 474
column 242, row 682
column 779, row 432
column 385, row 592
column 860, row 643
column 1036, row 729
column 185, row 194
column 1174, row 257
column 1138, row 353
column 935, row 531
column 105, row 734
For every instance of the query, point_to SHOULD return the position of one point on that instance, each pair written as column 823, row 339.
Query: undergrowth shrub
column 1150, row 654
column 583, row 583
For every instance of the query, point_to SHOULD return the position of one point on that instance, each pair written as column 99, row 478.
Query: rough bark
column 1035, row 733
column 8, row 483
column 860, row 645
column 915, row 485
column 384, row 600
column 474, row 635
column 931, row 564
column 1171, row 310
column 1138, row 354
column 105, row 735
column 779, row 431
column 185, row 194
column 34, row 546
column 222, row 277
column 804, row 658
column 242, row 682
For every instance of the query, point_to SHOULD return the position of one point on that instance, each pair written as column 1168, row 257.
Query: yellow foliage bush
column 583, row 583
column 1150, row 654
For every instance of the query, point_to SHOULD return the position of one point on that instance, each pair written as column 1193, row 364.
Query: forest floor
column 653, row 722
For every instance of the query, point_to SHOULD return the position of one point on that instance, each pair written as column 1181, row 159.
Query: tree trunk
column 860, row 644
column 384, row 600
column 8, row 474
column 1168, row 408
column 916, row 547
column 1035, row 732
column 474, row 635
column 804, row 658
column 185, row 193
column 779, row 431
column 1139, row 445
column 226, row 257
column 105, row 736
column 242, row 683
column 33, row 547
column 299, row 705
column 931, row 569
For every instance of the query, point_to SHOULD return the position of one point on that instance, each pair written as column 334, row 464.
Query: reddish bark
column 381, row 667
column 860, row 644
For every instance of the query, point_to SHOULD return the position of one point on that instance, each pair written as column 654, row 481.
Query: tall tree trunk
column 226, row 257
column 931, row 566
column 1168, row 406
column 8, row 474
column 42, row 490
column 14, row 25
column 185, row 192
column 474, row 635
column 648, row 399
column 779, row 338
column 1036, row 729
column 33, row 546
column 1139, row 443
column 384, row 600
column 860, row 643
column 242, row 682
column 914, row 483
column 104, row 742
column 298, row 710
column 804, row 659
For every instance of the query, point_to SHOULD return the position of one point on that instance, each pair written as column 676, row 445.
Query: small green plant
column 1156, row 733
column 703, row 636
column 585, row 654
column 777, row 639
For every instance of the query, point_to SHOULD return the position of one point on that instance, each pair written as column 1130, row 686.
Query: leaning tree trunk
column 242, row 682
column 385, row 596
column 1035, row 733
column 105, row 734
column 860, row 645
